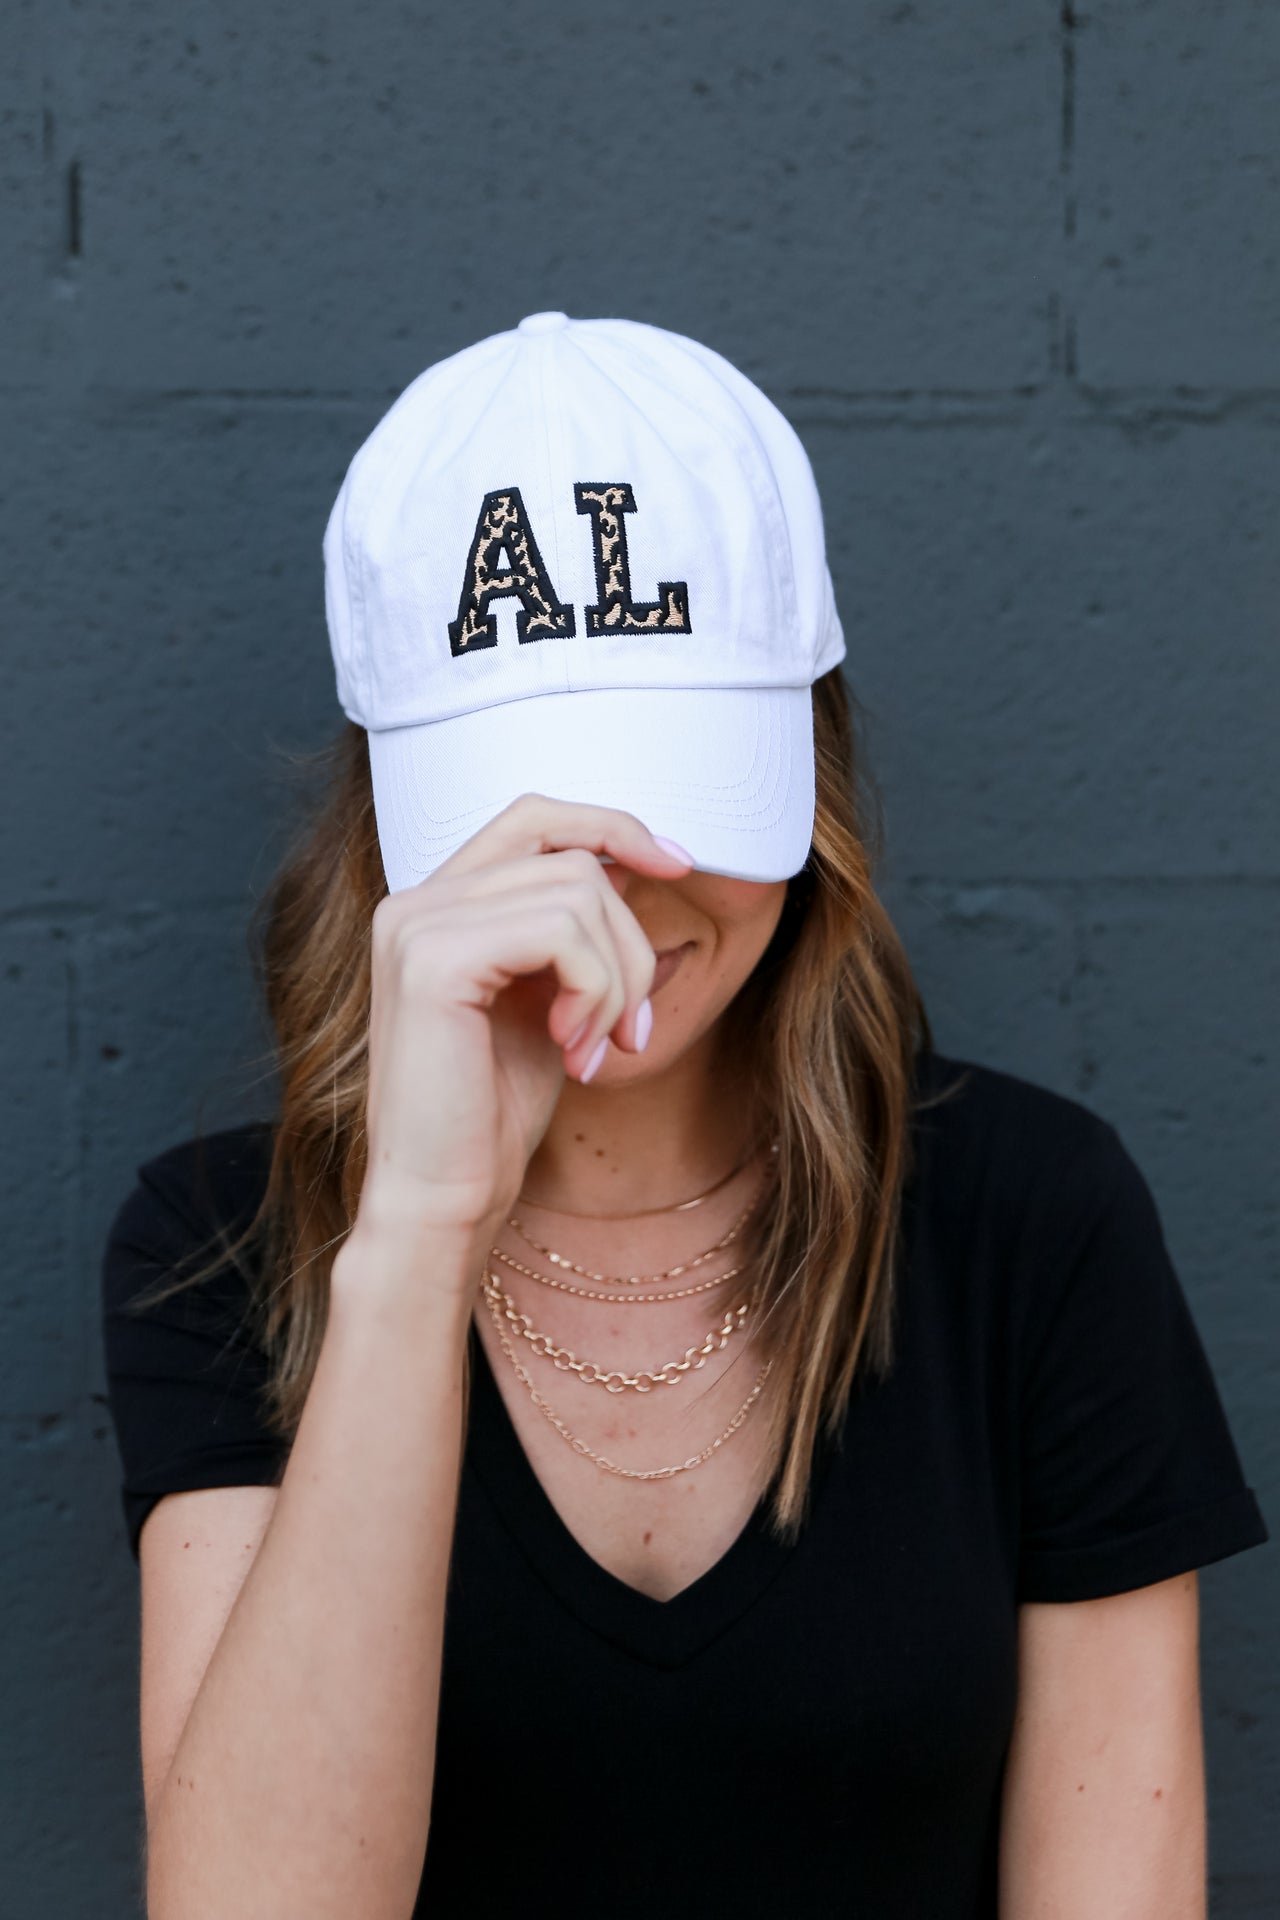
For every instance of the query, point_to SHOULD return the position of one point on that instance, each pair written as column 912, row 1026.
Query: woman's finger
column 637, row 961
column 582, row 874
column 472, row 954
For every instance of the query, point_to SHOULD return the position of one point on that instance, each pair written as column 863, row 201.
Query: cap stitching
column 692, row 792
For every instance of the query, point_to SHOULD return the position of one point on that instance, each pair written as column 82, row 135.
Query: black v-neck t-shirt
column 806, row 1731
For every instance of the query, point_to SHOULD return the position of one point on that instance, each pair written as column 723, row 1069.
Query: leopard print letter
column 616, row 611
column 503, row 527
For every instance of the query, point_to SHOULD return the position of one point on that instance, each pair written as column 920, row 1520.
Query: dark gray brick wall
column 1014, row 273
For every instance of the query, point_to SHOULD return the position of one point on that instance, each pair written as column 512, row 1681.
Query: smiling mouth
column 669, row 959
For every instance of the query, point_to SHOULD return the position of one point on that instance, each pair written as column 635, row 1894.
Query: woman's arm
column 1104, row 1803
column 299, row 1780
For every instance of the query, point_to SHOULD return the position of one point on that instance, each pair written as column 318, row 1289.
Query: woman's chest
column 659, row 1534
column 910, row 1538
column 790, row 1724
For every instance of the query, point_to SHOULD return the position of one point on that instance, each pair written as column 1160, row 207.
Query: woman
column 854, row 1570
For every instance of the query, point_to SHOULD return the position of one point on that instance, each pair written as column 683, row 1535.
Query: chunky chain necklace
column 599, row 1459
column 589, row 1373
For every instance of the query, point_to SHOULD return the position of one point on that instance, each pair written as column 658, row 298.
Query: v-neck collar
column 663, row 1633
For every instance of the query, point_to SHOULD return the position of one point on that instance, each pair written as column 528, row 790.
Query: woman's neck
column 662, row 1140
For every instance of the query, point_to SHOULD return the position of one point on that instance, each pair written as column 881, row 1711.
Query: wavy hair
column 832, row 1022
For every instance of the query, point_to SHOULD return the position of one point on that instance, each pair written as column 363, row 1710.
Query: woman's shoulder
column 990, row 1135
column 185, row 1201
column 1040, row 1253
column 1017, row 1193
column 207, row 1176
column 224, row 1171
column 188, row 1379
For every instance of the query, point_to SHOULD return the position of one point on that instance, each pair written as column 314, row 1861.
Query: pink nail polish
column 593, row 1065
column 644, row 1023
column 670, row 846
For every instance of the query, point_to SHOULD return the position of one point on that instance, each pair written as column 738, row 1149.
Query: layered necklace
column 506, row 1314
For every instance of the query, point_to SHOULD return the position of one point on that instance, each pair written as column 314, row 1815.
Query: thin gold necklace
column 598, row 1459
column 639, row 1279
column 643, row 1213
column 618, row 1299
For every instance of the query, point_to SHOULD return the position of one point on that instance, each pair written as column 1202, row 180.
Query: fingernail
column 676, row 851
column 593, row 1064
column 644, row 1023
column 577, row 1034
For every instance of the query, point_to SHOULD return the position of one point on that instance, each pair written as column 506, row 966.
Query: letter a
column 503, row 526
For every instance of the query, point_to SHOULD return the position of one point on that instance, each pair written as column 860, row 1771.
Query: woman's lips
column 669, row 959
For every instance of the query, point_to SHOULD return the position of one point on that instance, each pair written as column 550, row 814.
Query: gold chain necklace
column 618, row 1299
column 639, row 1279
column 598, row 1459
column 644, row 1213
column 590, row 1374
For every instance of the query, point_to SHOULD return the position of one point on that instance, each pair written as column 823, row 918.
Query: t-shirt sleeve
column 186, row 1379
column 1129, row 1473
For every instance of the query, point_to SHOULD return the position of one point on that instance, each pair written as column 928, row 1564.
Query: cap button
column 543, row 322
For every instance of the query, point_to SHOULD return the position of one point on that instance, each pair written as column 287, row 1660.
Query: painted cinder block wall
column 1013, row 271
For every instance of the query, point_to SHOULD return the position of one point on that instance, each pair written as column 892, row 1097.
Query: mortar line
column 1066, row 175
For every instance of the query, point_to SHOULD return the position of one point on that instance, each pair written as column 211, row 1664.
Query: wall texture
column 1013, row 271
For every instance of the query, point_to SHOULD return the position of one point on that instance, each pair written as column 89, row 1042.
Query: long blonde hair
column 831, row 1019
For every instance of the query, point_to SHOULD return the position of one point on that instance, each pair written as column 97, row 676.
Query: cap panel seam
column 751, row 452
column 541, row 354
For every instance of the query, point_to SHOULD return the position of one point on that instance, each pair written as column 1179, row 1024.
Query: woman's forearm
column 302, row 1780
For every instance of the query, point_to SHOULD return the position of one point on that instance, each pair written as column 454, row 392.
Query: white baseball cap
column 584, row 558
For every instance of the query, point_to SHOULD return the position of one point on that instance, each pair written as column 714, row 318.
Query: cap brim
column 726, row 772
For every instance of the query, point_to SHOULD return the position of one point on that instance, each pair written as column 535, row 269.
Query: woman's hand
column 501, row 971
